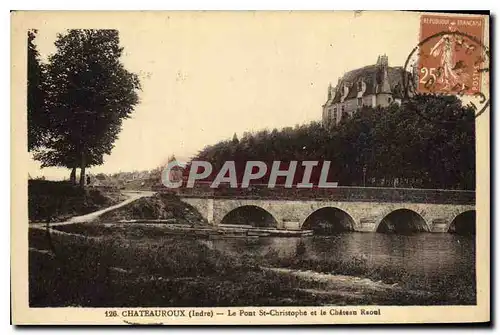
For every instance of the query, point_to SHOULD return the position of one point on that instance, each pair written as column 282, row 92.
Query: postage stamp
column 453, row 58
column 250, row 168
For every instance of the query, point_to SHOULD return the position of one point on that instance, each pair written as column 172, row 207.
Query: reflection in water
column 464, row 224
column 329, row 220
column 402, row 221
column 430, row 254
column 250, row 215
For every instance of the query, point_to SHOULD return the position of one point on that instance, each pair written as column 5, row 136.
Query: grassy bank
column 166, row 272
column 60, row 200
column 449, row 290
column 446, row 290
column 159, row 206
column 141, row 267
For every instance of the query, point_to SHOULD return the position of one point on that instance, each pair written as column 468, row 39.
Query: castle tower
column 383, row 61
column 383, row 64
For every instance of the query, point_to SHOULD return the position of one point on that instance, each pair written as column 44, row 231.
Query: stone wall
column 345, row 194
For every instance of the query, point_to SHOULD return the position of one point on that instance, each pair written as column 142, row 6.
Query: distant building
column 372, row 85
column 96, row 182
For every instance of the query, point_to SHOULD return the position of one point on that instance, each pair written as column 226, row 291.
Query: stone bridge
column 364, row 209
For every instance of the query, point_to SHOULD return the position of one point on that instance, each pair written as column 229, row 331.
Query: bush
column 59, row 200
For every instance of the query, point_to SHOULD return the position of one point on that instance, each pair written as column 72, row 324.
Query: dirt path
column 132, row 196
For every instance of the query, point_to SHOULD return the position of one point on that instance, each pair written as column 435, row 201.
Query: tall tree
column 37, row 121
column 89, row 94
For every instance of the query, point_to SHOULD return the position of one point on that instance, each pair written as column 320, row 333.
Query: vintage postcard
column 250, row 168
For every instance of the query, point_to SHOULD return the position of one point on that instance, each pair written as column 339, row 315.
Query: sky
column 208, row 75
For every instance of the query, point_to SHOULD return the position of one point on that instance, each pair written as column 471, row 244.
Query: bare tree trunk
column 82, row 169
column 72, row 176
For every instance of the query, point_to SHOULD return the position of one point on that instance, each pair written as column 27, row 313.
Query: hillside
column 428, row 142
column 60, row 200
column 156, row 207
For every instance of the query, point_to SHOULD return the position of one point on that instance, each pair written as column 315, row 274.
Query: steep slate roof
column 371, row 75
column 396, row 80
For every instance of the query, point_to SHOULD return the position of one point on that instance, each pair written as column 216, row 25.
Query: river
column 433, row 262
column 366, row 268
column 430, row 254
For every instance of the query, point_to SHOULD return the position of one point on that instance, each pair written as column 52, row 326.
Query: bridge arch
column 402, row 221
column 463, row 223
column 329, row 220
column 252, row 215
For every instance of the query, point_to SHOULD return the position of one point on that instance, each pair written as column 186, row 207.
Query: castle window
column 389, row 100
column 360, row 102
column 360, row 86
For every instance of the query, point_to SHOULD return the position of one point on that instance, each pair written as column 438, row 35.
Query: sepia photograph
column 250, row 167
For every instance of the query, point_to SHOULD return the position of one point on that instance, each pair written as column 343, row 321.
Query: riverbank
column 351, row 255
column 159, row 208
column 139, row 266
column 452, row 289
column 56, row 201
column 71, row 270
column 168, row 227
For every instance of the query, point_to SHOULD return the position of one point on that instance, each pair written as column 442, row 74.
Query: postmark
column 451, row 58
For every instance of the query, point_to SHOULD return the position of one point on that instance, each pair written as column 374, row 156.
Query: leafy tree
column 427, row 142
column 89, row 94
column 235, row 139
column 37, row 119
column 442, row 147
column 59, row 151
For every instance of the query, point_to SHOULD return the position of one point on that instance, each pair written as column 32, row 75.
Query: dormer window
column 345, row 92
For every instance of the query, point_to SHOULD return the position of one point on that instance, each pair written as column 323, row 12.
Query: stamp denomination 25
column 450, row 58
column 453, row 59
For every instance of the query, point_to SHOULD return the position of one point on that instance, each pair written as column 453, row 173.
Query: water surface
column 430, row 254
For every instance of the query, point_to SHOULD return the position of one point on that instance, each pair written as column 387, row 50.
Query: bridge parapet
column 346, row 194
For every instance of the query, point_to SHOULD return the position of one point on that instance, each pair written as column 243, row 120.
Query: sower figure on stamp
column 451, row 75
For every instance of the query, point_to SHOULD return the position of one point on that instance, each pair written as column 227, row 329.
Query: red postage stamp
column 452, row 57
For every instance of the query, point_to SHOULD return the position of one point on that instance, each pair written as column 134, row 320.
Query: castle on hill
column 372, row 85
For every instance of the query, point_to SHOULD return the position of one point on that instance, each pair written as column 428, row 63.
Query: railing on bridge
column 367, row 194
